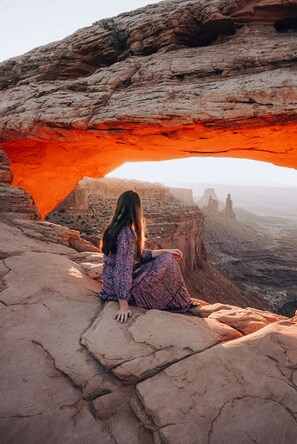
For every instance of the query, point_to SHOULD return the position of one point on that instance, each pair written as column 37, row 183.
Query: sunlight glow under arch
column 208, row 170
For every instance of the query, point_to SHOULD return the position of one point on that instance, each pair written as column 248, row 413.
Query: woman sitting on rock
column 136, row 276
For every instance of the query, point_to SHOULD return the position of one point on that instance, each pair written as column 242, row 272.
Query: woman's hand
column 124, row 312
column 176, row 253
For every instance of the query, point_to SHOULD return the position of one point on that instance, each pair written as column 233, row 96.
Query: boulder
column 148, row 342
column 238, row 392
column 246, row 320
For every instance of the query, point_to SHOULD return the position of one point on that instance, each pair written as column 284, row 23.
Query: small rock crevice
column 239, row 398
column 49, row 355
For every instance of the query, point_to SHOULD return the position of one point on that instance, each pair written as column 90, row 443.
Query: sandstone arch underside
column 171, row 80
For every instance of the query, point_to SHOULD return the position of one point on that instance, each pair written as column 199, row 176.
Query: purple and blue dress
column 147, row 283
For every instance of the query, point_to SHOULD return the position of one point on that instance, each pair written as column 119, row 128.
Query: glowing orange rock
column 49, row 171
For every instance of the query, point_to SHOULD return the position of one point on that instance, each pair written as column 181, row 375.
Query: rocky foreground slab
column 71, row 374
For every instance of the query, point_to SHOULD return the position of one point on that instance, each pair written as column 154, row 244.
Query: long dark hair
column 128, row 212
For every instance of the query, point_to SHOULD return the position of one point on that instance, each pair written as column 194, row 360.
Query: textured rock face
column 258, row 253
column 220, row 395
column 174, row 79
column 135, row 357
column 14, row 201
column 46, row 302
column 6, row 175
column 186, row 373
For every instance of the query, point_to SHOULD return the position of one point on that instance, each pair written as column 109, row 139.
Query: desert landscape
column 256, row 250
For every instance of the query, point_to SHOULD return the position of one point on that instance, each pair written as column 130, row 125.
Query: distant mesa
column 210, row 204
column 204, row 200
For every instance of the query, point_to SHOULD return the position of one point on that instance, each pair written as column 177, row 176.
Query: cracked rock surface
column 147, row 343
column 48, row 378
column 70, row 373
column 241, row 391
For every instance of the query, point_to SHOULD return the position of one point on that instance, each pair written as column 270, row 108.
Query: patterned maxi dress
column 149, row 283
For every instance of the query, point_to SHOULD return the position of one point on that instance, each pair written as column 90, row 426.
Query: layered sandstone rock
column 174, row 79
column 228, row 387
column 247, row 320
column 256, row 252
column 14, row 201
column 47, row 378
column 210, row 203
column 189, row 374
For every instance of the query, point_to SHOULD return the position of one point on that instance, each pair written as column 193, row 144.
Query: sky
column 26, row 24
column 208, row 170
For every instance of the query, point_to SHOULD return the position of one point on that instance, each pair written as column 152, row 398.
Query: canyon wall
column 175, row 79
column 258, row 253
column 170, row 222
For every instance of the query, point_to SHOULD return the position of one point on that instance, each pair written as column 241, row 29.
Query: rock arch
column 171, row 80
